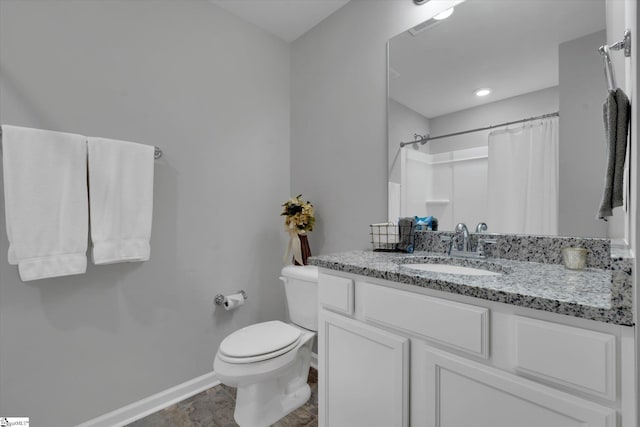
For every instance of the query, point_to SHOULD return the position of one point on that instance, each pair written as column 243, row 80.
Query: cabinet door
column 456, row 392
column 364, row 374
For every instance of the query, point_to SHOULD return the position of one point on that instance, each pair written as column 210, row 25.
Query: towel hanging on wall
column 616, row 116
column 45, row 190
column 121, row 200
column 47, row 203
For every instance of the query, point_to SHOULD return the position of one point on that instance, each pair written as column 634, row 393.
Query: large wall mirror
column 540, row 62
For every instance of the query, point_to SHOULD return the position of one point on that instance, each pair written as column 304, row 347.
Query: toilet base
column 261, row 405
column 265, row 402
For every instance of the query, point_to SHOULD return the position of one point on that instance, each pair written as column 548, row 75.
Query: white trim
column 465, row 159
column 149, row 405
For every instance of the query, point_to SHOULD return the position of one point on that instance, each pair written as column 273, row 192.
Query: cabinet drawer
column 461, row 326
column 573, row 357
column 336, row 293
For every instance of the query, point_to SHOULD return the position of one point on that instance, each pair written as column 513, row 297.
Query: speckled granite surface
column 544, row 249
column 602, row 294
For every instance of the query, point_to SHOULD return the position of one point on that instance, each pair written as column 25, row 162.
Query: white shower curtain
column 523, row 179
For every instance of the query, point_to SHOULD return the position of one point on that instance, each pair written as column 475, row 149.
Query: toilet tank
column 301, row 288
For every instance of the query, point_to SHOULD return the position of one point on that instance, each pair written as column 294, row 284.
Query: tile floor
column 214, row 408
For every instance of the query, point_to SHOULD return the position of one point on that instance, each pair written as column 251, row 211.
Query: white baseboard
column 151, row 404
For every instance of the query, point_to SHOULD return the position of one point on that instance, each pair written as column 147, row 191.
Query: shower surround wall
column 404, row 124
column 213, row 93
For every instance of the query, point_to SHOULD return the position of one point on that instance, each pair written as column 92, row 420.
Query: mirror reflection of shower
column 512, row 180
column 543, row 63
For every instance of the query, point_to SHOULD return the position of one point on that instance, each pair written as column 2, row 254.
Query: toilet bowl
column 269, row 362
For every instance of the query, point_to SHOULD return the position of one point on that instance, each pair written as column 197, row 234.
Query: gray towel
column 616, row 125
column 406, row 227
column 622, row 131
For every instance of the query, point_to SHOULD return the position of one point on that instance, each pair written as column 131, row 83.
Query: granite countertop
column 601, row 294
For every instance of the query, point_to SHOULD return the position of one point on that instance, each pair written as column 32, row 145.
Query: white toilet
column 269, row 362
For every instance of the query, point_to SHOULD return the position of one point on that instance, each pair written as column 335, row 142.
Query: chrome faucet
column 467, row 250
column 466, row 242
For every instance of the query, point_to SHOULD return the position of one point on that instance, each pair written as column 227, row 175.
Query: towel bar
column 624, row 45
column 157, row 152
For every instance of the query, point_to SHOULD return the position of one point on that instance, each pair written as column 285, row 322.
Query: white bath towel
column 120, row 200
column 45, row 190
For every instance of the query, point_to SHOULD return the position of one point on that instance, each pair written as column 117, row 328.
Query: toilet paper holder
column 221, row 299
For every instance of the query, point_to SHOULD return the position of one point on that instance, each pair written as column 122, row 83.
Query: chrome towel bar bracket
column 624, row 45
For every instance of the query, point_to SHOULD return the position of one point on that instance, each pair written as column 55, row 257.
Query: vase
column 305, row 249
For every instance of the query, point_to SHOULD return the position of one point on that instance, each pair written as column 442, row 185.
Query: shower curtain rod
column 157, row 152
column 424, row 139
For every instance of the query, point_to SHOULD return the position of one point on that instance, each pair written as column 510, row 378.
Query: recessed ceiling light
column 443, row 15
column 482, row 92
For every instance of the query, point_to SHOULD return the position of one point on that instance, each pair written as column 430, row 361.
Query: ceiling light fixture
column 443, row 15
column 482, row 92
column 431, row 22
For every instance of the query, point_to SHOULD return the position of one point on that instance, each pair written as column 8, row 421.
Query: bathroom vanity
column 533, row 345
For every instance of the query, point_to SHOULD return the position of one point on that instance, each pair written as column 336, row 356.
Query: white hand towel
column 45, row 191
column 120, row 199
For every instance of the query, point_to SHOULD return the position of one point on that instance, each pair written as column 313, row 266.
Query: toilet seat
column 259, row 342
column 244, row 374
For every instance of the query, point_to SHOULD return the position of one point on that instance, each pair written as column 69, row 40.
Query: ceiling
column 508, row 46
column 286, row 19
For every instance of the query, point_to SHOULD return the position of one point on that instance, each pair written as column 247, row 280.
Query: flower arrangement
column 298, row 215
column 298, row 220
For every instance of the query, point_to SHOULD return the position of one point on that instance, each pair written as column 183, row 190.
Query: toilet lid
column 260, row 339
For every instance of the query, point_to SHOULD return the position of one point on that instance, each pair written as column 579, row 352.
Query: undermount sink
column 451, row 269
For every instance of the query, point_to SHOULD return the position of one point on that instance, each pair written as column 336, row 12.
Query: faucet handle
column 489, row 241
column 481, row 227
column 481, row 242
column 447, row 239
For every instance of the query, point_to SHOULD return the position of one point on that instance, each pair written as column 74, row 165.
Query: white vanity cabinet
column 393, row 355
column 455, row 392
column 365, row 369
column 365, row 375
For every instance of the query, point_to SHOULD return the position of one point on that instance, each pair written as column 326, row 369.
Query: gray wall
column 339, row 116
column 583, row 89
column 213, row 93
column 403, row 124
column 510, row 109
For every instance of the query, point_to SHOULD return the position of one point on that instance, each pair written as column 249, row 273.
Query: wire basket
column 392, row 237
column 384, row 236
